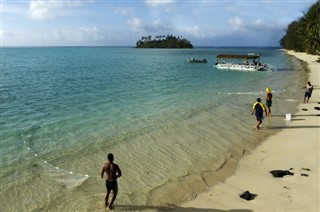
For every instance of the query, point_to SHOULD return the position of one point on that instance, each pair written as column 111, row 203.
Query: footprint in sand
column 286, row 196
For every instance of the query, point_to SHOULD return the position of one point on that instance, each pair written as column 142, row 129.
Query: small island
column 163, row 41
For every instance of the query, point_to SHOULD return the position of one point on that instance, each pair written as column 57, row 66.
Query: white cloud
column 78, row 35
column 135, row 24
column 13, row 38
column 259, row 21
column 43, row 10
column 190, row 30
column 237, row 23
column 156, row 27
column 258, row 25
column 156, row 3
column 123, row 10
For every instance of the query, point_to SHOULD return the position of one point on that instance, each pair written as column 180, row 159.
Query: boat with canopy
column 249, row 62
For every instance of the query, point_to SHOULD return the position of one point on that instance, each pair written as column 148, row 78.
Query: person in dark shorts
column 307, row 94
column 113, row 172
column 268, row 101
column 258, row 108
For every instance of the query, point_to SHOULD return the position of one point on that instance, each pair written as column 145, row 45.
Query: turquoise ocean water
column 171, row 125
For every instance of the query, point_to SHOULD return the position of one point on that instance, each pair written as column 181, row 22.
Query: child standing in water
column 268, row 101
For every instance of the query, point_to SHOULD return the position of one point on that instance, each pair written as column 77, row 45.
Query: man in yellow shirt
column 258, row 109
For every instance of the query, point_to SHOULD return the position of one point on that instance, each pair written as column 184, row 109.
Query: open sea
column 175, row 128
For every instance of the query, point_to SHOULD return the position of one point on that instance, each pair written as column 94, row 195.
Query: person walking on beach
column 268, row 101
column 113, row 172
column 308, row 92
column 258, row 109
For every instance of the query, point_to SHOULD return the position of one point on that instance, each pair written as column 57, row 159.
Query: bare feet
column 110, row 208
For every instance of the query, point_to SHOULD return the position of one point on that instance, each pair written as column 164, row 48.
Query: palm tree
column 304, row 34
column 169, row 41
column 308, row 28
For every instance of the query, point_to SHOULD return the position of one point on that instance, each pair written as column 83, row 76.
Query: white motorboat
column 249, row 62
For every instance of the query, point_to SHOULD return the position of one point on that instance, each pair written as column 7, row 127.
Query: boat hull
column 197, row 61
column 239, row 67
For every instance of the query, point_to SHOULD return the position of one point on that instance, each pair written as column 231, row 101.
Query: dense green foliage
column 163, row 41
column 303, row 35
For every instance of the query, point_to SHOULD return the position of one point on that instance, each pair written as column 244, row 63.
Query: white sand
column 297, row 146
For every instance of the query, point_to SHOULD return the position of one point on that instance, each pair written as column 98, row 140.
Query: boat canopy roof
column 238, row 56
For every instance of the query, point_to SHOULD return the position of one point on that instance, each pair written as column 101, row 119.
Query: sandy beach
column 296, row 148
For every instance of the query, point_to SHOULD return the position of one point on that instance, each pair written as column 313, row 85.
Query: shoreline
column 295, row 148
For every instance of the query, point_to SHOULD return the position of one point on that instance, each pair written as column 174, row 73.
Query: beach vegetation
column 303, row 35
column 163, row 41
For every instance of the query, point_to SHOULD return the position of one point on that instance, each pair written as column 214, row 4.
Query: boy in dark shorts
column 258, row 109
column 113, row 172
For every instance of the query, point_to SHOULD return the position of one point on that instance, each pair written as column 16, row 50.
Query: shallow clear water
column 170, row 124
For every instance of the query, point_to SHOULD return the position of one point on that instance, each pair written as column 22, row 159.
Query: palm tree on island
column 163, row 41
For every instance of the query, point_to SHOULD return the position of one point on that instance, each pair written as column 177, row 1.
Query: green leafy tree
column 304, row 34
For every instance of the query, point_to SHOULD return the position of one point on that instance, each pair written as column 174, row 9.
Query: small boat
column 192, row 60
column 231, row 62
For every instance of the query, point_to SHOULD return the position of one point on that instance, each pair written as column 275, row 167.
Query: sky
column 123, row 22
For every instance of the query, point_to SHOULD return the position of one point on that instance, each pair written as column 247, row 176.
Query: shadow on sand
column 296, row 115
column 174, row 209
column 292, row 127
